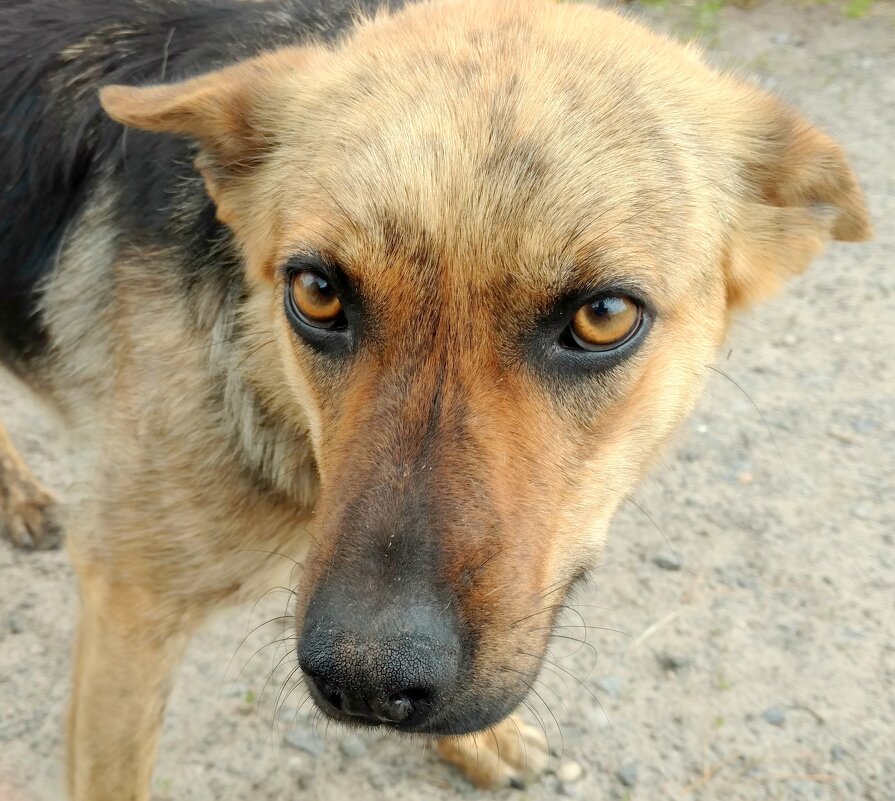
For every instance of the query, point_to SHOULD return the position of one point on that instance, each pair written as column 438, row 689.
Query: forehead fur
column 534, row 136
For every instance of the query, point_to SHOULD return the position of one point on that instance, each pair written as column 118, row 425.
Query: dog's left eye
column 604, row 324
column 314, row 300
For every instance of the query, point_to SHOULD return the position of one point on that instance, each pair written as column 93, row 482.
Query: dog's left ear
column 798, row 192
column 231, row 112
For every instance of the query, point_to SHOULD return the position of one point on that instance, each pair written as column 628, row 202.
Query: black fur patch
column 56, row 142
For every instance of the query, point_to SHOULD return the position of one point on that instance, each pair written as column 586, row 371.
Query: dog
column 411, row 297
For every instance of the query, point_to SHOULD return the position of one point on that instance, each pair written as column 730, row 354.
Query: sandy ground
column 762, row 668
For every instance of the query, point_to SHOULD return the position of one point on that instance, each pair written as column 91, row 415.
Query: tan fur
column 513, row 753
column 28, row 510
column 464, row 161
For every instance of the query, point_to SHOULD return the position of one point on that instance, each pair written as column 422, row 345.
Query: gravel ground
column 752, row 582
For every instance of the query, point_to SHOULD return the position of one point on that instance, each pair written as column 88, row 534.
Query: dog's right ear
column 231, row 112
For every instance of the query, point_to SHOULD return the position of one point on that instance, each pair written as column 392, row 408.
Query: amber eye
column 606, row 323
column 315, row 300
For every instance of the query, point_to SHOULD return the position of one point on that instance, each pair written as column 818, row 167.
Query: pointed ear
column 227, row 111
column 799, row 192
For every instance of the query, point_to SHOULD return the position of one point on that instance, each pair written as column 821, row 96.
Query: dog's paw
column 512, row 754
column 29, row 513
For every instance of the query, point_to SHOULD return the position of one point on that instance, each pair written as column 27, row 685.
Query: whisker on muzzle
column 243, row 642
column 586, row 628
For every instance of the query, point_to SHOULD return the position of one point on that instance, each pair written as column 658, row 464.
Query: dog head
column 500, row 244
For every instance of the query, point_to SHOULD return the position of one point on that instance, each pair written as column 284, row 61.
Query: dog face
column 500, row 244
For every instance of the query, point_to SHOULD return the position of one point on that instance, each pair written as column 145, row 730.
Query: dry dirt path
column 762, row 668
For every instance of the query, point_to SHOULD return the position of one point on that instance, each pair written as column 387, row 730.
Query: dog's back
column 56, row 144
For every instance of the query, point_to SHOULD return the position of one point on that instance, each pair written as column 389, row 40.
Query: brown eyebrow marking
column 403, row 239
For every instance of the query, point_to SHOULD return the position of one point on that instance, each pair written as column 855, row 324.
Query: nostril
column 419, row 699
column 403, row 706
column 332, row 694
column 396, row 709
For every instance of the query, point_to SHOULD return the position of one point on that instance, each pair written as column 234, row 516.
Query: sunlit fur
column 467, row 163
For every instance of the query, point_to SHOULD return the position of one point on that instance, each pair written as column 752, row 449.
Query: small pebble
column 15, row 624
column 838, row 753
column 302, row 780
column 862, row 511
column 627, row 774
column 302, row 741
column 611, row 685
column 774, row 715
column 671, row 662
column 746, row 521
column 353, row 748
column 569, row 772
column 843, row 435
column 236, row 690
column 567, row 790
column 668, row 561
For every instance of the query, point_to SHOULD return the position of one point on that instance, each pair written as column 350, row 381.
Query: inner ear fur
column 799, row 192
column 229, row 112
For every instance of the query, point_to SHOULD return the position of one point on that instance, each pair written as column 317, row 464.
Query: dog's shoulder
column 56, row 144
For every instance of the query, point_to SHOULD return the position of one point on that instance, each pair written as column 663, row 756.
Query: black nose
column 392, row 671
column 374, row 704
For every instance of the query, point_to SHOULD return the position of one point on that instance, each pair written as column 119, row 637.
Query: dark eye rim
column 337, row 337
column 547, row 349
column 339, row 322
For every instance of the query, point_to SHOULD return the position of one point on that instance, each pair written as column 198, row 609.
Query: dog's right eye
column 314, row 301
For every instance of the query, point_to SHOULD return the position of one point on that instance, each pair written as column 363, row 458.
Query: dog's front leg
column 129, row 643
